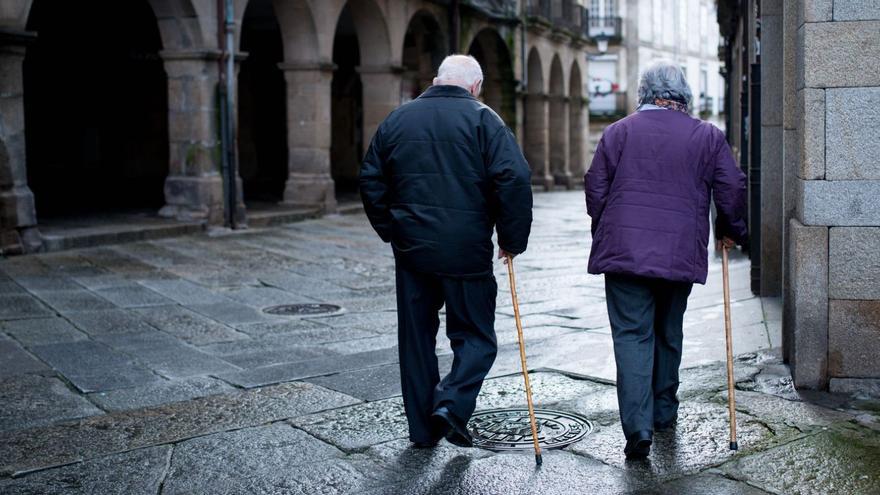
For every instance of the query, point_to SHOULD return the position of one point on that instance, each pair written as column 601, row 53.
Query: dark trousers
column 470, row 320
column 646, row 318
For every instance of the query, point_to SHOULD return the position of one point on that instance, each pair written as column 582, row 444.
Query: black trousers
column 646, row 318
column 470, row 320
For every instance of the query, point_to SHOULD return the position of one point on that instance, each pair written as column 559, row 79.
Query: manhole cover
column 509, row 429
column 304, row 310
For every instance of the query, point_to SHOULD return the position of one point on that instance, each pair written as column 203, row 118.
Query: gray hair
column 664, row 79
column 459, row 70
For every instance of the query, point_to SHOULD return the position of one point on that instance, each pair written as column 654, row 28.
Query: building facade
column 117, row 106
column 803, row 84
column 628, row 35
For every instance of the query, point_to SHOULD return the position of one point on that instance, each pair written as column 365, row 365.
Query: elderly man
column 648, row 192
column 442, row 171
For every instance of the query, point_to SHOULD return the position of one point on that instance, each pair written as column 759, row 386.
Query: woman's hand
column 726, row 242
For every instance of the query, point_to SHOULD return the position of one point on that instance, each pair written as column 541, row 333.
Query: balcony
column 562, row 15
column 607, row 28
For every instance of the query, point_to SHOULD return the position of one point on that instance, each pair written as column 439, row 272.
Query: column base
column 18, row 222
column 310, row 190
column 564, row 179
column 194, row 199
column 545, row 181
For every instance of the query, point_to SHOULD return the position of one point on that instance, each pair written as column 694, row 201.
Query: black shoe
column 457, row 432
column 638, row 446
column 666, row 425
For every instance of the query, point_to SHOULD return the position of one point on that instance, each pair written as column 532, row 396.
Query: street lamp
column 602, row 43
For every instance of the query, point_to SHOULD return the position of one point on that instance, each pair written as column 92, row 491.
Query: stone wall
column 832, row 184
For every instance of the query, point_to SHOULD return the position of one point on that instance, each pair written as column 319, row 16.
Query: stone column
column 194, row 187
column 18, row 217
column 381, row 96
column 309, row 182
column 536, row 139
column 578, row 117
column 559, row 141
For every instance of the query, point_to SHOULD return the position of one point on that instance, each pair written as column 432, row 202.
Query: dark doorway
column 499, row 85
column 347, row 146
column 423, row 50
column 262, row 106
column 96, row 107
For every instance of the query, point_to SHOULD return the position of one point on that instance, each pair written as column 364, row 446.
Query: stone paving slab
column 133, row 296
column 17, row 361
column 97, row 436
column 232, row 313
column 167, row 355
column 704, row 484
column 39, row 331
column 110, row 321
column 837, row 461
column 92, row 366
column 15, row 306
column 301, row 332
column 562, row 473
column 184, row 292
column 68, row 301
column 189, row 326
column 700, row 441
column 30, row 401
column 129, row 473
column 278, row 373
column 158, row 393
column 251, row 460
column 358, row 427
column 43, row 283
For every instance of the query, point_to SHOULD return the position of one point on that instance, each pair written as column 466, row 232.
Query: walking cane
column 731, row 400
column 522, row 357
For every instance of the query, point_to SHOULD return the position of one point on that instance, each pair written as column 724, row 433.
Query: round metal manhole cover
column 510, row 429
column 304, row 310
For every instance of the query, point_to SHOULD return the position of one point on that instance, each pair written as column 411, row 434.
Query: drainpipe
column 226, row 40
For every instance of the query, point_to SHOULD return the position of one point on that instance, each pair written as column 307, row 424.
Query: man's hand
column 725, row 242
column 502, row 254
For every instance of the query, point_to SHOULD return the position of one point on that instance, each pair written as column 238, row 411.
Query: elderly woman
column 648, row 191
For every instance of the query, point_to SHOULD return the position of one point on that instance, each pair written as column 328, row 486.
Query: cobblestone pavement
column 151, row 368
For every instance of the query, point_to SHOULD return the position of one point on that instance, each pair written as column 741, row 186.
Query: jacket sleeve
column 375, row 187
column 597, row 181
column 729, row 192
column 512, row 186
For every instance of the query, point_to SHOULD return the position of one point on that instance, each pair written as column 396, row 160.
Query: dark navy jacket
column 442, row 171
column 648, row 192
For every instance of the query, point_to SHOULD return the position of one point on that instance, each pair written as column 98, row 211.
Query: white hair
column 665, row 80
column 459, row 70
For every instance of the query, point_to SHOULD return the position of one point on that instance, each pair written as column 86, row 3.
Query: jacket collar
column 446, row 91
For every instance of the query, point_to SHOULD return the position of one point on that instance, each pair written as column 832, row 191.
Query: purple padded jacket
column 648, row 192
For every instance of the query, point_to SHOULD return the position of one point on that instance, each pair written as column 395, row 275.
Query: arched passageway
column 95, row 98
column 262, row 121
column 558, row 132
column 424, row 47
column 536, row 120
column 577, row 129
column 347, row 138
column 499, row 85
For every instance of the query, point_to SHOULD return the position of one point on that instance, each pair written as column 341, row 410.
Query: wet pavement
column 151, row 367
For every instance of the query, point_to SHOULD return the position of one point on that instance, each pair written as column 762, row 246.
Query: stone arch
column 576, row 121
column 103, row 155
column 185, row 25
column 558, row 125
column 372, row 33
column 499, row 84
column 262, row 115
column 536, row 119
column 298, row 31
column 424, row 47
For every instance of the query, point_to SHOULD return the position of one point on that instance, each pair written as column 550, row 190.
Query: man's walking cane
column 522, row 357
column 731, row 400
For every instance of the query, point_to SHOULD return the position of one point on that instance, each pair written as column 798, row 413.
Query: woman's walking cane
column 522, row 357
column 731, row 400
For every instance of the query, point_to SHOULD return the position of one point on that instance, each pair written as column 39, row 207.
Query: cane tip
column 734, row 446
column 538, row 459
